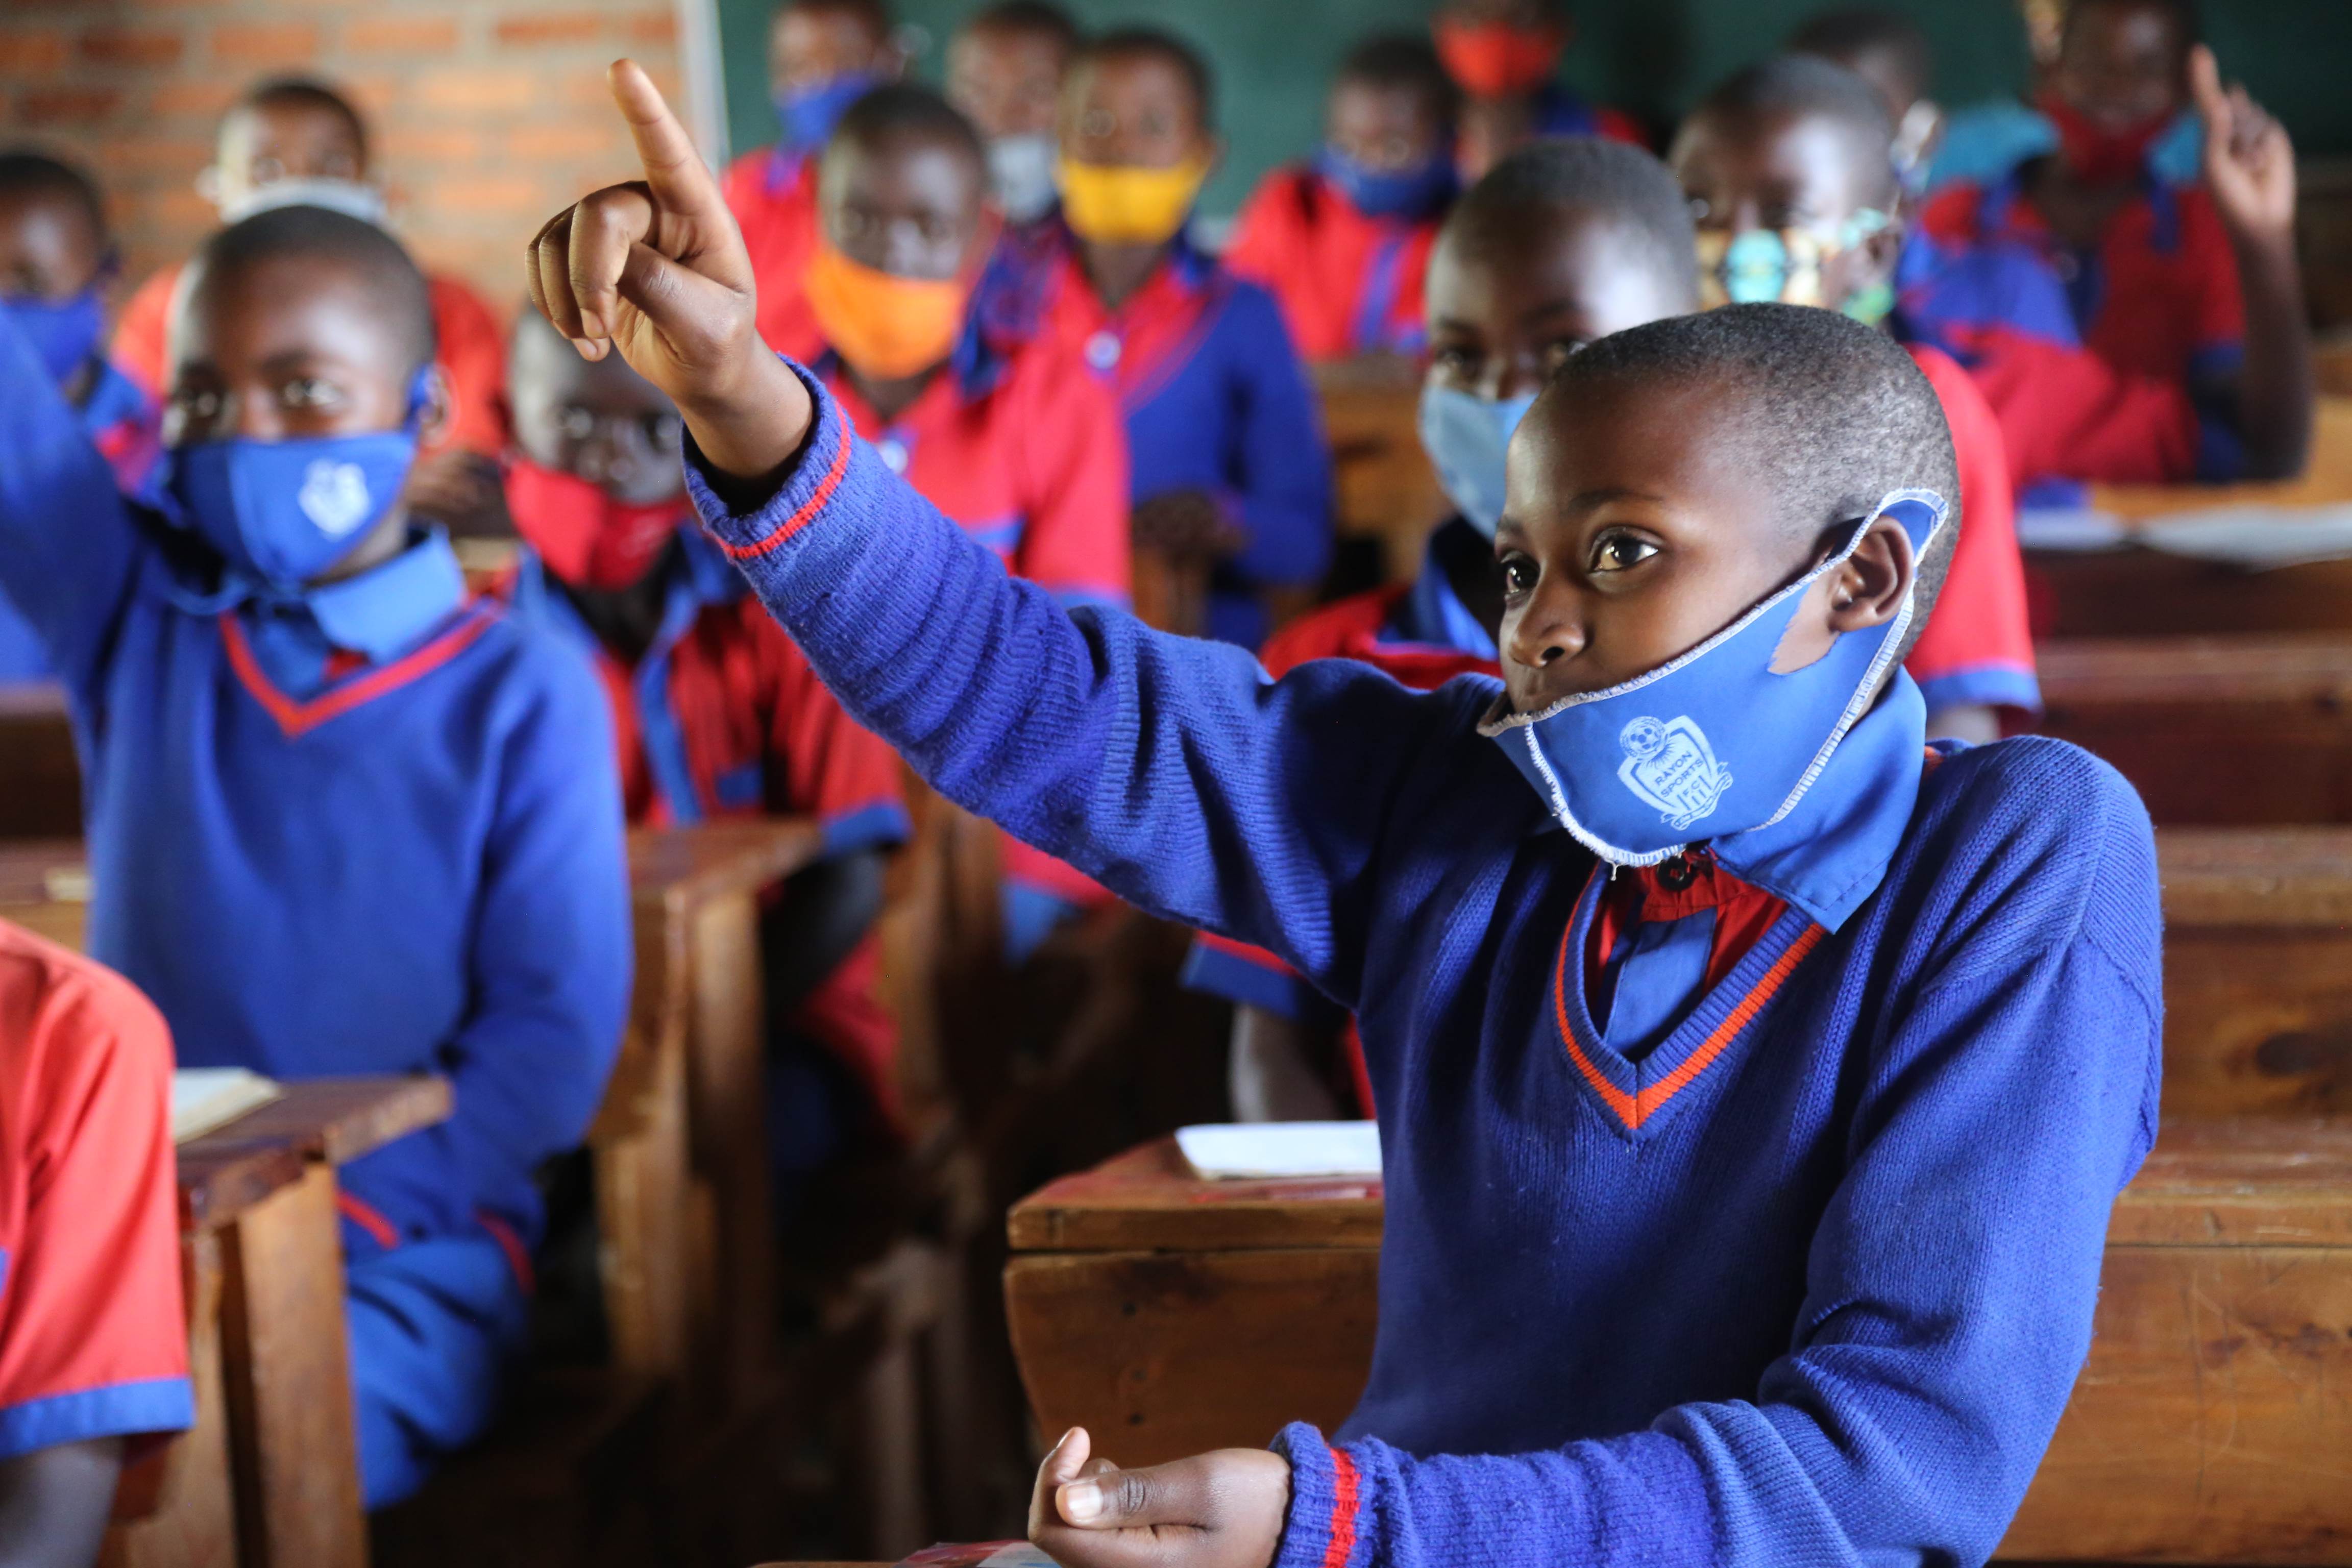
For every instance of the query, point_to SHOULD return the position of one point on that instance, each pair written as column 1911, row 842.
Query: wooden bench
column 269, row 1476
column 2213, row 730
column 40, row 776
column 1171, row 1315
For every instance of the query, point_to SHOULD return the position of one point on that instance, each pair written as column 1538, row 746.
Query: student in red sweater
column 1504, row 55
column 1342, row 242
column 1004, row 74
column 1788, row 171
column 823, row 56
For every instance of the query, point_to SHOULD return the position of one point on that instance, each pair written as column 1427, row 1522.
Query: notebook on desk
column 979, row 1554
column 1262, row 1151
column 205, row 1100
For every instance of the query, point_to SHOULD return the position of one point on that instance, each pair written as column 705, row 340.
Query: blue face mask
column 64, row 335
column 807, row 115
column 1415, row 192
column 1714, row 743
column 1466, row 436
column 282, row 512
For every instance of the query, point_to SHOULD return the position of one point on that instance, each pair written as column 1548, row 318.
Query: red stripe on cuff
column 1343, row 1511
column 807, row 510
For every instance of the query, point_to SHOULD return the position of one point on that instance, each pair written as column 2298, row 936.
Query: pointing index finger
column 675, row 172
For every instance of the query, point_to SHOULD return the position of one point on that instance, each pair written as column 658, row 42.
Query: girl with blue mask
column 823, row 56
column 56, row 264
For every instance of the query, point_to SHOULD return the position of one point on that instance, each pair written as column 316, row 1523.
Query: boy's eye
column 577, row 423
column 666, row 432
column 310, row 392
column 201, row 404
column 1559, row 352
column 1700, row 211
column 1097, row 122
column 1518, row 574
column 1616, row 552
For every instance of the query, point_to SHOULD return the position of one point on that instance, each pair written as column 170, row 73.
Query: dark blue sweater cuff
column 1326, row 1501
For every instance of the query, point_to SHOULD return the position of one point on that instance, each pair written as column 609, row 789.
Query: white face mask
column 1021, row 174
column 349, row 198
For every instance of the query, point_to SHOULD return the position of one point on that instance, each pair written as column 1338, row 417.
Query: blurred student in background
column 1225, row 441
column 1504, row 55
column 58, row 263
column 1344, row 241
column 1004, row 73
column 823, row 56
column 1891, row 52
column 295, row 142
column 2188, row 296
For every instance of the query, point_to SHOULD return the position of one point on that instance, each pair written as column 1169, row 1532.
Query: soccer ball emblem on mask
column 334, row 497
column 1669, row 764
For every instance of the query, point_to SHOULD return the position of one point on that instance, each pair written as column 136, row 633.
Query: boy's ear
column 1862, row 591
column 1885, row 247
column 440, row 410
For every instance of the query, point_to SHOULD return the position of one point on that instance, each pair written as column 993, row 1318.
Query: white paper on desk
column 2072, row 530
column 205, row 1100
column 1266, row 1149
column 2254, row 537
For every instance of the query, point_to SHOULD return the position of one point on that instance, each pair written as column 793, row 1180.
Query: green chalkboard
column 1652, row 57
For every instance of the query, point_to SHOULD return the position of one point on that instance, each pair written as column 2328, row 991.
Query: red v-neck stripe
column 1646, row 1101
column 298, row 717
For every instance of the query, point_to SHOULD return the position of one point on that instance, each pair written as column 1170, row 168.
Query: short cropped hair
column 1127, row 43
column 873, row 15
column 1809, row 85
column 24, row 171
column 1037, row 17
column 1405, row 62
column 395, row 286
column 2186, row 20
column 1834, row 416
column 307, row 92
column 1636, row 191
column 910, row 110
column 1843, row 38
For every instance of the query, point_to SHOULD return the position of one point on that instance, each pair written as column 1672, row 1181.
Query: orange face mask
column 1497, row 59
column 886, row 326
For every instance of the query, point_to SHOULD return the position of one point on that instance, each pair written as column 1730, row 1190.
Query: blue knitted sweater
column 1812, row 1285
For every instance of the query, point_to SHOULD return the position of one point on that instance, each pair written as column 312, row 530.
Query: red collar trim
column 298, row 717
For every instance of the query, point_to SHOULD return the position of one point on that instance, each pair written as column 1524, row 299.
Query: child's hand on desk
column 1224, row 1510
column 2249, row 162
column 657, row 268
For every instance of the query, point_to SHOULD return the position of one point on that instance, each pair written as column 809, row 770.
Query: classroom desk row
column 2212, row 1423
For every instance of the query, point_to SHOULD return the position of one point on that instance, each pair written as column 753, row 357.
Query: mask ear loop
column 420, row 397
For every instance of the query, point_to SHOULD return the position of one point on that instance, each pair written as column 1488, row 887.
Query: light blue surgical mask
column 1715, row 742
column 1466, row 436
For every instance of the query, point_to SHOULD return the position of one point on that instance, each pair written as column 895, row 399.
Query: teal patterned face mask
column 1764, row 265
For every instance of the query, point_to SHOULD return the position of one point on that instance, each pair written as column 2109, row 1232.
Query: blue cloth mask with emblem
column 1466, row 436
column 63, row 333
column 282, row 512
column 1715, row 742
column 1417, row 191
column 807, row 115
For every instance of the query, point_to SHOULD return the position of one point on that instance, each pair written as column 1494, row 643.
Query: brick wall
column 488, row 114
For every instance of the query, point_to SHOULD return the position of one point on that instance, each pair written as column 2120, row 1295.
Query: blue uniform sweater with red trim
column 418, row 867
column 1807, row 1283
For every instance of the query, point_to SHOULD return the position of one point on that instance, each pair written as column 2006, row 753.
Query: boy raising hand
column 1799, row 1269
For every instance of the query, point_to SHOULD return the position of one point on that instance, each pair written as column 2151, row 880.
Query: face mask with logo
column 585, row 537
column 886, row 326
column 64, row 333
column 1127, row 204
column 807, row 115
column 282, row 512
column 1497, row 59
column 1021, row 174
column 1466, row 436
column 1715, row 742
column 1419, row 192
column 352, row 199
column 1763, row 266
column 2095, row 152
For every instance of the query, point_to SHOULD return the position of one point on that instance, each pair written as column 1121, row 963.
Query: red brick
column 207, row 96
column 511, row 197
column 401, row 36
column 479, row 91
column 266, row 43
column 66, row 105
column 180, row 156
column 574, row 137
column 29, row 49
column 141, row 48
column 654, row 29
column 535, row 27
column 433, row 144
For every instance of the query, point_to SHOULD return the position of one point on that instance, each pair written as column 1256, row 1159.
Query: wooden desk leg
column 286, row 1368
column 641, row 1201
column 730, row 1138
column 193, row 1523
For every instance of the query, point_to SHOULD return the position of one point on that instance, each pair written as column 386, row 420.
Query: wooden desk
column 40, row 776
column 698, row 1020
column 2211, row 1424
column 45, row 887
column 2213, row 730
column 269, row 1476
column 1382, row 484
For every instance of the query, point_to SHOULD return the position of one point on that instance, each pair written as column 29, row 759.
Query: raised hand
column 657, row 268
column 1221, row 1509
column 2249, row 162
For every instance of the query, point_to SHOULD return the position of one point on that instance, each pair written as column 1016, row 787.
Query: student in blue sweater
column 342, row 817
column 1758, row 1222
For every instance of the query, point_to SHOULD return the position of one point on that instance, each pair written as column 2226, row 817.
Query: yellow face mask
column 1124, row 203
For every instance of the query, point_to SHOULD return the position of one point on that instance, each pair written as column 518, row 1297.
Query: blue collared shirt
column 379, row 615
